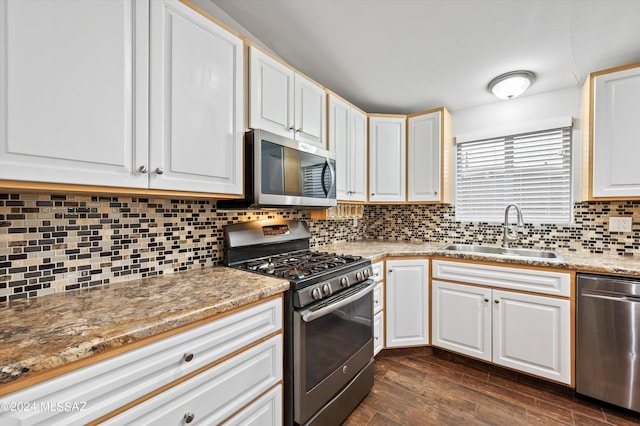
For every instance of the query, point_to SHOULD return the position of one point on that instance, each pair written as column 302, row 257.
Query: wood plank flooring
column 428, row 386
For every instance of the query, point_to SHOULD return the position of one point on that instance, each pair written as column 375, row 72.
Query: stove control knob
column 359, row 275
column 344, row 282
column 326, row 289
column 366, row 273
column 316, row 293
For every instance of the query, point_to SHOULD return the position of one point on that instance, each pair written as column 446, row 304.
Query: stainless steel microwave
column 281, row 172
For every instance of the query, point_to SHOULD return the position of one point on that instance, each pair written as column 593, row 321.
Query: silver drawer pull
column 188, row 417
column 188, row 357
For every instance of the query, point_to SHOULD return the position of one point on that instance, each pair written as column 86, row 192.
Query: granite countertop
column 43, row 333
column 581, row 261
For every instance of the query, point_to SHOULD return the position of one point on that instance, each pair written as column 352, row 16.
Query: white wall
column 523, row 114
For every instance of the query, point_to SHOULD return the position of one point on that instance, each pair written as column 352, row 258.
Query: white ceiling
column 403, row 56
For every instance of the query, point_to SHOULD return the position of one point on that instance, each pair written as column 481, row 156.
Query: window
column 532, row 170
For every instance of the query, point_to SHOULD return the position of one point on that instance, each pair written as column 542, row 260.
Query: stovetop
column 300, row 265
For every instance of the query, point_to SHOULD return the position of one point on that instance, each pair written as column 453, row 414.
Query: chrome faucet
column 508, row 235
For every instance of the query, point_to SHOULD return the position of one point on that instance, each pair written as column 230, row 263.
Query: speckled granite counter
column 581, row 261
column 42, row 333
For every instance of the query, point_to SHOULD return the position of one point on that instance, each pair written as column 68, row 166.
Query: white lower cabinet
column 461, row 319
column 378, row 332
column 407, row 303
column 237, row 358
column 213, row 395
column 264, row 411
column 522, row 331
column 532, row 333
column 378, row 307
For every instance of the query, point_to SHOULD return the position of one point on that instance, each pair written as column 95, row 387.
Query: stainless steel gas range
column 328, row 317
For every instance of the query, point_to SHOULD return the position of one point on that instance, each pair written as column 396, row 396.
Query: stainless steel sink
column 501, row 251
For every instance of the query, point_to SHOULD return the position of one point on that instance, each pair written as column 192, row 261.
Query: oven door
column 332, row 342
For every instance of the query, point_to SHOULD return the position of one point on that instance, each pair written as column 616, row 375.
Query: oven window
column 333, row 339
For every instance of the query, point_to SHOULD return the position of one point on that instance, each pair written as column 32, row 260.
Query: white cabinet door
column 532, row 334
column 423, row 157
column 340, row 144
column 359, row 156
column 74, row 91
column 616, row 134
column 407, row 298
column 348, row 140
column 271, row 91
column 196, row 126
column 461, row 319
column 387, row 159
column 310, row 112
column 378, row 332
column 284, row 102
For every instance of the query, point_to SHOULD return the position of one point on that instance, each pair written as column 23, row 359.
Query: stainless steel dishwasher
column 608, row 339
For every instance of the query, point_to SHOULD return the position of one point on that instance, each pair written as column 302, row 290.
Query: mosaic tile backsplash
column 53, row 243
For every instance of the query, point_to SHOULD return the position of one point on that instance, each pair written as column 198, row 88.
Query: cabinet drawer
column 214, row 394
column 378, row 332
column 378, row 298
column 265, row 411
column 546, row 282
column 112, row 383
column 378, row 271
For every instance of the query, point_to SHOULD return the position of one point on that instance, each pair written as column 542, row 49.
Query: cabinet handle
column 376, row 301
column 188, row 357
column 299, row 130
column 292, row 128
column 376, row 337
column 188, row 417
column 159, row 170
column 390, row 270
column 486, row 300
column 496, row 301
column 143, row 169
column 373, row 193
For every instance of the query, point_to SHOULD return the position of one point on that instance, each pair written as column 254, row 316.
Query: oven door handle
column 310, row 315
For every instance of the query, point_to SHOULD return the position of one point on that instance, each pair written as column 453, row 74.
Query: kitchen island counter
column 41, row 334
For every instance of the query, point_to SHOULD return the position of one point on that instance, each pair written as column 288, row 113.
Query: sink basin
column 501, row 251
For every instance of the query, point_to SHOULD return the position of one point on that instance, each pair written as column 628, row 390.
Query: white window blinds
column 532, row 170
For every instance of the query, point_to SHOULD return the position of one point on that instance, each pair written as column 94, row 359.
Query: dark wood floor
column 433, row 387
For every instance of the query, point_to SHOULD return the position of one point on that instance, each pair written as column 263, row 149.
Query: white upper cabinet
column 196, row 104
column 74, row 97
column 387, row 159
column 429, row 139
column 348, row 139
column 79, row 109
column 612, row 101
column 285, row 102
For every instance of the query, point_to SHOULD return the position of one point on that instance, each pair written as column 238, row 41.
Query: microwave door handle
column 327, row 165
column 309, row 315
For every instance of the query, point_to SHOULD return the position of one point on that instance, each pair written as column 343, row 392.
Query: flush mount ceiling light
column 511, row 84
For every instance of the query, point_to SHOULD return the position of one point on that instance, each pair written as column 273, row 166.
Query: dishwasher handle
column 610, row 295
